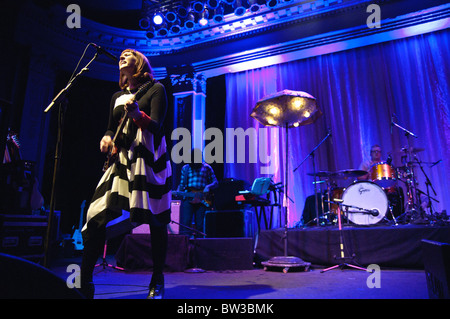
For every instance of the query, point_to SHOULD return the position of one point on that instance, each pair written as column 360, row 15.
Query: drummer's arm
column 364, row 167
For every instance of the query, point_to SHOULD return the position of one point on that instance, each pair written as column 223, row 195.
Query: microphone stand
column 195, row 269
column 60, row 99
column 341, row 241
column 428, row 184
column 312, row 154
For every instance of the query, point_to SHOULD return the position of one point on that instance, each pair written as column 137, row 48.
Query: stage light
column 240, row 8
column 190, row 21
column 171, row 16
column 230, row 2
column 213, row 4
column 218, row 15
column 175, row 29
column 198, row 7
column 204, row 18
column 272, row 3
column 158, row 19
column 150, row 34
column 255, row 8
column 163, row 32
column 144, row 23
column 182, row 12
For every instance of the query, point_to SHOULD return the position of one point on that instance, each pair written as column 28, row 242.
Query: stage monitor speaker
column 21, row 279
column 229, row 223
column 436, row 259
column 223, row 253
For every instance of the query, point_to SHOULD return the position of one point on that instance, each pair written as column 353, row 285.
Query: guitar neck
column 121, row 126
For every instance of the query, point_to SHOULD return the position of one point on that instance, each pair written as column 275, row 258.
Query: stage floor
column 258, row 284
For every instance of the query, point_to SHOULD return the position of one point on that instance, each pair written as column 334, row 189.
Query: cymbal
column 349, row 173
column 412, row 150
column 321, row 174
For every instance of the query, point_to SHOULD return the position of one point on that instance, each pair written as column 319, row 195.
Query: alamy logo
column 73, row 21
column 74, row 279
column 374, row 19
column 374, row 280
column 242, row 146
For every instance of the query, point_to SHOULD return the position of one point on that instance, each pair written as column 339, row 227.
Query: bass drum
column 368, row 196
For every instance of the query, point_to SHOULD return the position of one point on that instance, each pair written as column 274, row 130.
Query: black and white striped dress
column 136, row 189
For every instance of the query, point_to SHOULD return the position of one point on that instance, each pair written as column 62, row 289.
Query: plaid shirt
column 196, row 178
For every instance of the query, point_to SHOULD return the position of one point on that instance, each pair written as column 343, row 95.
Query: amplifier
column 229, row 223
column 23, row 235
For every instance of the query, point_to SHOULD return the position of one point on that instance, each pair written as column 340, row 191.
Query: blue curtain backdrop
column 358, row 91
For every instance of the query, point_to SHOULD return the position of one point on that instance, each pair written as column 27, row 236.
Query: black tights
column 93, row 247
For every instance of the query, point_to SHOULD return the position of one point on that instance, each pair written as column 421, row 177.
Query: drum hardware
column 411, row 185
column 341, row 244
column 312, row 155
column 393, row 216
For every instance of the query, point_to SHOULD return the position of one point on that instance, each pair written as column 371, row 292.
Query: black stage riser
column 206, row 253
column 386, row 246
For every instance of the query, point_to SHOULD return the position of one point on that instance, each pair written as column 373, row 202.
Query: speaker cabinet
column 436, row 259
column 229, row 223
column 223, row 253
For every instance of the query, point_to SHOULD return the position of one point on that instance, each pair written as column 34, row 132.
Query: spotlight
column 158, row 19
column 162, row 32
column 144, row 23
column 255, row 8
column 213, row 4
column 239, row 11
column 190, row 21
column 175, row 29
column 204, row 18
column 150, row 34
column 198, row 6
column 218, row 15
column 182, row 12
column 171, row 16
column 272, row 3
column 230, row 2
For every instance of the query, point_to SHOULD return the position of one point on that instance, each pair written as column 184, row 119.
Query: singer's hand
column 105, row 144
column 133, row 109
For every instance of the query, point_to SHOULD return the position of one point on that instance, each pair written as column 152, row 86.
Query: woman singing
column 139, row 179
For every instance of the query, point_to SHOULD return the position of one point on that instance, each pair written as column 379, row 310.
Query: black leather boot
column 156, row 287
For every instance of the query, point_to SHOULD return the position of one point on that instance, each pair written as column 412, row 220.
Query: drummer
column 375, row 157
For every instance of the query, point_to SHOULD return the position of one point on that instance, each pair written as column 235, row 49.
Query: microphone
column 374, row 212
column 103, row 51
column 435, row 163
column 389, row 160
column 330, row 135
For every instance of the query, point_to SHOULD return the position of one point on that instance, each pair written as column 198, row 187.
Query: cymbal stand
column 411, row 181
column 429, row 185
column 341, row 245
column 312, row 154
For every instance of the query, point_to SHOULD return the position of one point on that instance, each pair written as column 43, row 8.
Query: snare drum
column 382, row 174
column 365, row 196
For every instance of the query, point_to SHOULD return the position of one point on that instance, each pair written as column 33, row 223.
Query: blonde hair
column 143, row 72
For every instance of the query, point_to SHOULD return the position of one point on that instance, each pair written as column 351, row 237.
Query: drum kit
column 374, row 195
